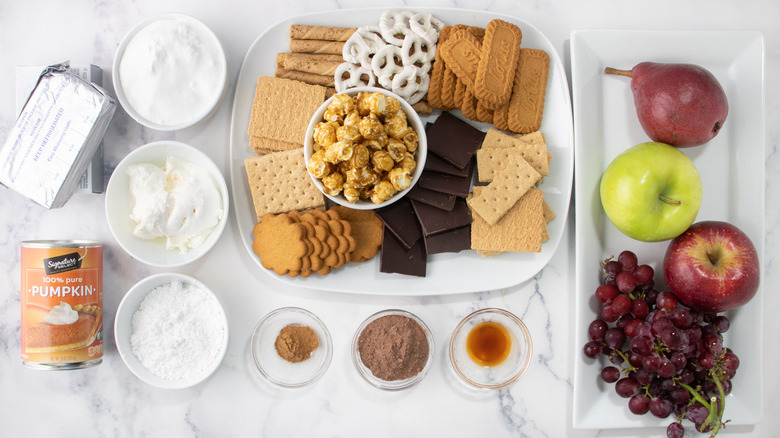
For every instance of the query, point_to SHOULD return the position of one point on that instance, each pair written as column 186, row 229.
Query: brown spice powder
column 295, row 343
column 393, row 347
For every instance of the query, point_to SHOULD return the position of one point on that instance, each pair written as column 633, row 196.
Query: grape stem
column 715, row 418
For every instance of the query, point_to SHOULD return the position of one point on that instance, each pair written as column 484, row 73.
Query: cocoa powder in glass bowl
column 393, row 349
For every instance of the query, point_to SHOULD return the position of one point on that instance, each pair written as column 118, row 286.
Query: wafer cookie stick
column 316, row 46
column 326, row 33
column 308, row 78
column 311, row 56
column 309, row 65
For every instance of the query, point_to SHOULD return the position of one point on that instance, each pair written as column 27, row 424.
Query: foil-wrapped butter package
column 55, row 136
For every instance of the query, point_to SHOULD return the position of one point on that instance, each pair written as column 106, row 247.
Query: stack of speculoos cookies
column 484, row 73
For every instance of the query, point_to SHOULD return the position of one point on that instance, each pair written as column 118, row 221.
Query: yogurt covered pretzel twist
column 354, row 76
column 393, row 23
column 427, row 26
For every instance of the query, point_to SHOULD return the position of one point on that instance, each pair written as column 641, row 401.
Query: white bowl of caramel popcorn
column 365, row 148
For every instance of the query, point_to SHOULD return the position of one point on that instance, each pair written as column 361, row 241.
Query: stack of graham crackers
column 485, row 74
column 510, row 213
column 277, row 177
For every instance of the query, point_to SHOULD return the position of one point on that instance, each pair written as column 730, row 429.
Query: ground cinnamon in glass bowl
column 393, row 349
column 291, row 347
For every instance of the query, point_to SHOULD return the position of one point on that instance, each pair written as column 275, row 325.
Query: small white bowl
column 206, row 39
column 123, row 329
column 119, row 205
column 413, row 119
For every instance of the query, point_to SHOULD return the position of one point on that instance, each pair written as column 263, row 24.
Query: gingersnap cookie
column 281, row 244
column 526, row 105
column 498, row 58
column 367, row 230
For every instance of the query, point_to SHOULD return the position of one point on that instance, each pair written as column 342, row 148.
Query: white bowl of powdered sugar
column 171, row 331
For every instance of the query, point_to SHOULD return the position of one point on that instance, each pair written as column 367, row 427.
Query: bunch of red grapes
column 665, row 358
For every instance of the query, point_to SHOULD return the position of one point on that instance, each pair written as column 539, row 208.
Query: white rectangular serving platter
column 732, row 170
column 446, row 273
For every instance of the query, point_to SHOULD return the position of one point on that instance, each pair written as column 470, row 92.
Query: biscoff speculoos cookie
column 500, row 53
column 526, row 105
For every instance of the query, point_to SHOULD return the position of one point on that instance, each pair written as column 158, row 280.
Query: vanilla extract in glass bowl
column 490, row 348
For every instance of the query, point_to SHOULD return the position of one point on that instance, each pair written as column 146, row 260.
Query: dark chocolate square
column 432, row 197
column 435, row 220
column 455, row 240
column 400, row 219
column 454, row 140
column 395, row 258
column 450, row 184
column 435, row 164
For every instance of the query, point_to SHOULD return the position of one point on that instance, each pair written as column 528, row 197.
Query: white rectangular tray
column 732, row 170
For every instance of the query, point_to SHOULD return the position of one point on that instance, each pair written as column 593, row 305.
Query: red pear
column 678, row 104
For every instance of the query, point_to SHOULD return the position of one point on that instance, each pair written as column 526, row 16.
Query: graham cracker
column 280, row 183
column 521, row 229
column 262, row 145
column 282, row 108
column 507, row 187
column 548, row 212
column 495, row 150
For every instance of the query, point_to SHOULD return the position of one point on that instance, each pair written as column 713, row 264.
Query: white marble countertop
column 108, row 400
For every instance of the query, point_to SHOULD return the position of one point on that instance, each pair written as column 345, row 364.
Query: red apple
column 712, row 267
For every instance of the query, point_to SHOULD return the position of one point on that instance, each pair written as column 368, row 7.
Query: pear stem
column 669, row 201
column 614, row 71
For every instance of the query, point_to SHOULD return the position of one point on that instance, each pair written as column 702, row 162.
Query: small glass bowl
column 279, row 371
column 391, row 385
column 503, row 374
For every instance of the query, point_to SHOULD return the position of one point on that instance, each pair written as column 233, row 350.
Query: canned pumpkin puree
column 62, row 303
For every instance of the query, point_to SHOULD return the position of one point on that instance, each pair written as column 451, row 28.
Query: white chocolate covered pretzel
column 427, row 26
column 411, row 83
column 355, row 74
column 393, row 23
column 385, row 64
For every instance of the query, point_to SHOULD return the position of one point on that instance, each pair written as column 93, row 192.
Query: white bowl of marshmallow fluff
column 171, row 331
column 167, row 203
column 170, row 72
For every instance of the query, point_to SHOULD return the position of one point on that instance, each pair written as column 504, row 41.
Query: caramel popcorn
column 364, row 148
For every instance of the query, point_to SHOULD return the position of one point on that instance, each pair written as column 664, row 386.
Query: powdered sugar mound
column 178, row 330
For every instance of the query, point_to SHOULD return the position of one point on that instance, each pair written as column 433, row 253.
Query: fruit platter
column 731, row 171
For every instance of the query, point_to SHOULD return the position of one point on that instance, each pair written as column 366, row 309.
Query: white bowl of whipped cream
column 170, row 72
column 167, row 203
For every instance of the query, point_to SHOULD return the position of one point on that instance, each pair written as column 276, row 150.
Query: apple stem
column 614, row 71
column 669, row 201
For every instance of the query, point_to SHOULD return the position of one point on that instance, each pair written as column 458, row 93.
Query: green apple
column 651, row 192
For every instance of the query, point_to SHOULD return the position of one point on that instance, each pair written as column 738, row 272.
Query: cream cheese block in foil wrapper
column 55, row 136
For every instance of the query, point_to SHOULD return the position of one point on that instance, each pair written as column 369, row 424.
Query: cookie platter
column 449, row 273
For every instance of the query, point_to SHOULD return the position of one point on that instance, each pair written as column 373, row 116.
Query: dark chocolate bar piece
column 450, row 184
column 395, row 258
column 435, row 164
column 454, row 140
column 400, row 219
column 435, row 220
column 432, row 197
column 455, row 240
